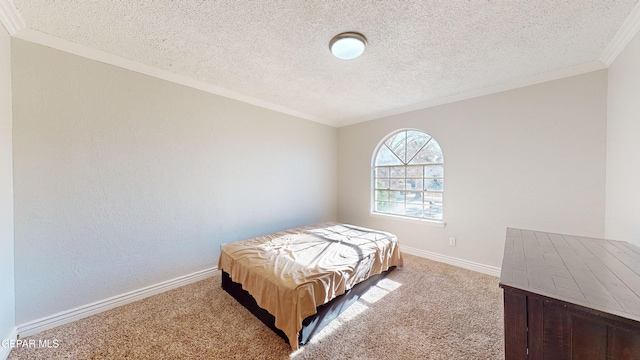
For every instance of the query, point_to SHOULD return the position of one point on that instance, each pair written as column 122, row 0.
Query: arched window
column 408, row 176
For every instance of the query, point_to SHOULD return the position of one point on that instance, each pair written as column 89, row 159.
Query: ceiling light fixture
column 348, row 45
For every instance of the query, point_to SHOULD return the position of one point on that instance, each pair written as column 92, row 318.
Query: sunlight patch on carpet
column 384, row 287
column 388, row 284
column 353, row 311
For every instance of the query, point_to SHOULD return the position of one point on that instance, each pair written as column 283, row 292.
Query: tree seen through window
column 408, row 176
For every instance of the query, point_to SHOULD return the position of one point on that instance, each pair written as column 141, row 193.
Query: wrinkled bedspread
column 292, row 272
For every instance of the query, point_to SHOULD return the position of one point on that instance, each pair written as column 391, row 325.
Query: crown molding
column 10, row 18
column 16, row 27
column 629, row 28
column 107, row 58
column 532, row 80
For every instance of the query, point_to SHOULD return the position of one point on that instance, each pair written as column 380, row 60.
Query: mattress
column 292, row 272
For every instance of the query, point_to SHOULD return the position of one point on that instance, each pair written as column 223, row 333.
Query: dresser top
column 596, row 273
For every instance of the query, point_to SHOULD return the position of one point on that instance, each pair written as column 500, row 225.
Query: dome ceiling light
column 348, row 45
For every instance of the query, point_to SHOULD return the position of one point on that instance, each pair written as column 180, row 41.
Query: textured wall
column 7, row 305
column 533, row 158
column 123, row 181
column 623, row 146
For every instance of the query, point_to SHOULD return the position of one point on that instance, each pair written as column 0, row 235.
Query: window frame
column 405, row 164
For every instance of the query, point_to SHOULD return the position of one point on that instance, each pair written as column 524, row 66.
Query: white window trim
column 373, row 213
column 415, row 220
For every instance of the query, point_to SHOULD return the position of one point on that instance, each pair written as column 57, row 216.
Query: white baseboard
column 465, row 264
column 5, row 350
column 64, row 317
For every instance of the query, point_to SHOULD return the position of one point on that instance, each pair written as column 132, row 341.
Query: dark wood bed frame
column 312, row 324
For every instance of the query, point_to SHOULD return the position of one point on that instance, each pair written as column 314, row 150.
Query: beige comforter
column 292, row 272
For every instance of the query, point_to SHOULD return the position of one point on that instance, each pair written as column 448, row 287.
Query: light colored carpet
column 424, row 310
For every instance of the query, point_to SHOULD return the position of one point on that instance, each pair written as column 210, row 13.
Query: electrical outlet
column 452, row 241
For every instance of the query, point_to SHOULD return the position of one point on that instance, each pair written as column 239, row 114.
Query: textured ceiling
column 277, row 51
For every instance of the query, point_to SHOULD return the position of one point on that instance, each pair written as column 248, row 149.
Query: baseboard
column 465, row 264
column 6, row 350
column 65, row 317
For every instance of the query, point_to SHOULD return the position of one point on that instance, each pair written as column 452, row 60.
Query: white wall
column 7, row 293
column 623, row 146
column 123, row 180
column 530, row 158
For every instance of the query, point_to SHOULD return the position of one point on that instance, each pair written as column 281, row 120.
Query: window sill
column 440, row 224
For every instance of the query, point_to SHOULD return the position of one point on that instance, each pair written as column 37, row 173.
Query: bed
column 298, row 280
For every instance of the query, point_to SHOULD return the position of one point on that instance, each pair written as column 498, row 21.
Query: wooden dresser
column 569, row 297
